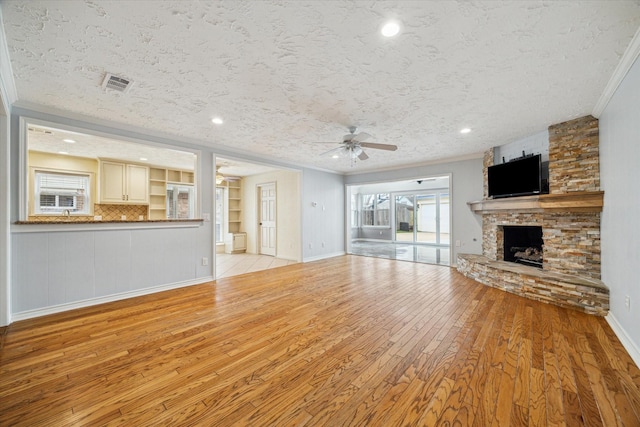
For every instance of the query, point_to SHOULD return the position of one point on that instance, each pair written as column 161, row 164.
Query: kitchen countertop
column 107, row 222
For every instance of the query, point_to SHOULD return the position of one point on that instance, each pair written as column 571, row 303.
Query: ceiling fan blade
column 388, row 147
column 362, row 136
column 330, row 152
column 363, row 156
column 232, row 178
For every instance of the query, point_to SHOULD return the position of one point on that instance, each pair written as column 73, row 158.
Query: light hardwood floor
column 340, row 342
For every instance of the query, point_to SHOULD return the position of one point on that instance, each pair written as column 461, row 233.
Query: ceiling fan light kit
column 351, row 146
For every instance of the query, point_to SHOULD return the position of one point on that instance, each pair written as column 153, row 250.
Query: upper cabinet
column 124, row 183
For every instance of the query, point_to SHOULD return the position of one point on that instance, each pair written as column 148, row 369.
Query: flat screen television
column 519, row 177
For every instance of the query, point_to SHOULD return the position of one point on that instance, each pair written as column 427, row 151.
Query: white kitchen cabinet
column 236, row 243
column 124, row 183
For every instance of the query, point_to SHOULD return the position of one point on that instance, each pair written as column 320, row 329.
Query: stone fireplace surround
column 570, row 221
column 518, row 239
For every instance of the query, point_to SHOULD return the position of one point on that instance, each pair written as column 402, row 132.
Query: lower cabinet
column 236, row 243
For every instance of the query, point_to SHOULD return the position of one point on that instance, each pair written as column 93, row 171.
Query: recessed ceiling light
column 390, row 29
column 217, row 121
column 63, row 152
column 70, row 141
column 144, row 159
column 465, row 130
column 335, row 156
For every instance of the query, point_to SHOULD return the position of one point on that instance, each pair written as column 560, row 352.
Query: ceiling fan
column 352, row 144
column 220, row 177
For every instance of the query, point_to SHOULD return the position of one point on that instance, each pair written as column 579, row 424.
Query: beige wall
column 288, row 226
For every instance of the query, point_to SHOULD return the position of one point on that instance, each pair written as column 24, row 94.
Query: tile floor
column 228, row 265
column 234, row 264
column 402, row 252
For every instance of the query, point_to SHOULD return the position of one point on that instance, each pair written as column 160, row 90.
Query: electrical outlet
column 206, row 217
column 323, row 244
column 627, row 302
column 310, row 245
column 123, row 217
column 205, row 261
column 457, row 243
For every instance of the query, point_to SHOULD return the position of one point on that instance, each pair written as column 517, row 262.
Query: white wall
column 323, row 215
column 466, row 186
column 288, row 205
column 534, row 144
column 620, row 223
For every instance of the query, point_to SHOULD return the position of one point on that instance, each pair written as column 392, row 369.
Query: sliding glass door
column 422, row 218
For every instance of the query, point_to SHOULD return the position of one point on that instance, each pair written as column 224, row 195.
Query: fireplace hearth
column 569, row 274
column 523, row 245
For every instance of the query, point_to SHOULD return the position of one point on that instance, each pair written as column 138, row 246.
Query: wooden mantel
column 578, row 201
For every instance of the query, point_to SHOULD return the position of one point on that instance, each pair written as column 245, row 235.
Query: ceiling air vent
column 119, row 84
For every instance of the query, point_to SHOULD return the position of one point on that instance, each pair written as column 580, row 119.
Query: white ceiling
column 284, row 74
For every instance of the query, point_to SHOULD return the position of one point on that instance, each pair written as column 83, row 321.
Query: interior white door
column 267, row 218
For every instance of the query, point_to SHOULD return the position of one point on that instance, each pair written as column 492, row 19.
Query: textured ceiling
column 284, row 74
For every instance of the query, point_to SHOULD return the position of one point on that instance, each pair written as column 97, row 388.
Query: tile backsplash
column 115, row 212
column 108, row 213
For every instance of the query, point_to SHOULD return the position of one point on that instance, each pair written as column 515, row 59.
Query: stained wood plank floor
column 341, row 342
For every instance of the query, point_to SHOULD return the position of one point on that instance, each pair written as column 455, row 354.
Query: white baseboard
column 325, row 256
column 30, row 314
column 624, row 338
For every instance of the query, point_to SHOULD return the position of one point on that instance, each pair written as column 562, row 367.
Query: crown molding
column 626, row 62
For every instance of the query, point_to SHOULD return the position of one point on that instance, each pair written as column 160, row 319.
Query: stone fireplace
column 564, row 226
column 522, row 244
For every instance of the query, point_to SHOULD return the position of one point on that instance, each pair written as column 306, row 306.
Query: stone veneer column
column 574, row 156
column 486, row 162
column 488, row 233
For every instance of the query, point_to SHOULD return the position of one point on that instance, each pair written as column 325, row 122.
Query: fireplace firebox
column 523, row 245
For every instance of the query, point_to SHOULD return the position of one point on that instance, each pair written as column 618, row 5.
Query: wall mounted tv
column 520, row 177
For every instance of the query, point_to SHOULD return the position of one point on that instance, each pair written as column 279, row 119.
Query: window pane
column 180, row 201
column 47, row 200
column 383, row 205
column 368, row 201
column 66, row 201
column 367, row 217
column 56, row 193
column 219, row 214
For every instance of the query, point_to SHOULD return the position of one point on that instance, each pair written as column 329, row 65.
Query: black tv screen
column 515, row 178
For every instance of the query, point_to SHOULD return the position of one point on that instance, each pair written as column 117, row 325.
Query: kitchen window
column 56, row 193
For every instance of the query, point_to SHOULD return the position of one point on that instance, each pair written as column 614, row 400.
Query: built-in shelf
column 578, row 201
column 158, row 179
column 234, row 208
